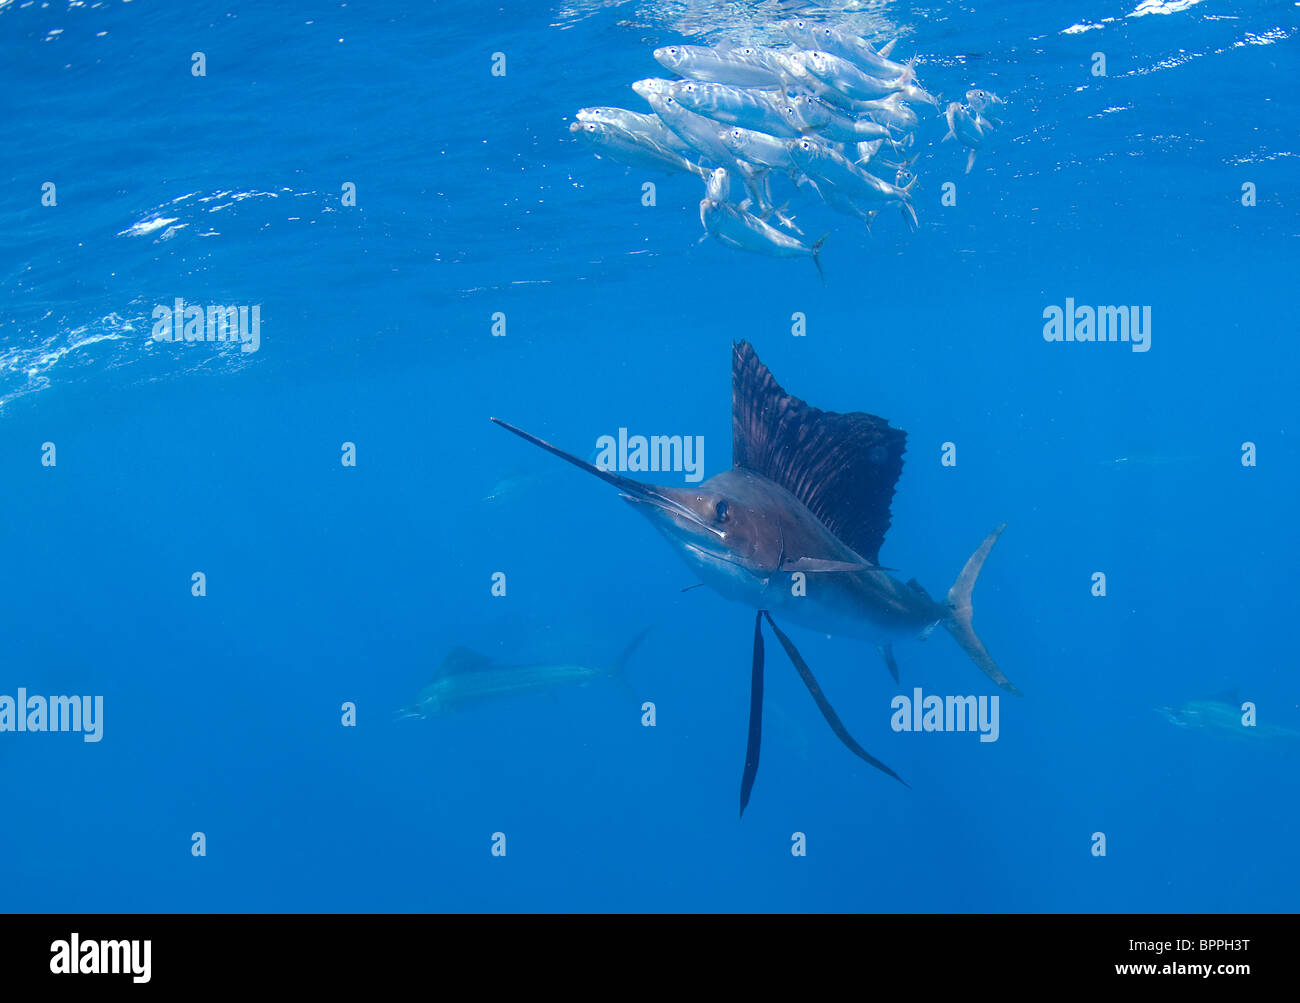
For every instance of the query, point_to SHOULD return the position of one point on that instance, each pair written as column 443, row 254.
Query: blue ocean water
column 329, row 584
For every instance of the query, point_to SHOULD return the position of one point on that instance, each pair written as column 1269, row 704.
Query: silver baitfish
column 841, row 203
column 827, row 168
column 633, row 148
column 846, row 129
column 717, row 185
column 650, row 126
column 985, row 103
column 733, row 106
column 652, row 85
column 804, row 113
column 848, row 79
column 700, row 132
column 840, row 43
column 888, row 111
column 734, row 227
column 968, row 128
column 758, row 148
column 746, row 66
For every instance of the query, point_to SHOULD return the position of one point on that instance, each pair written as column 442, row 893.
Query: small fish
column 842, row 203
column 758, row 184
column 868, row 151
column 717, row 185
column 888, row 111
column 804, row 113
column 759, row 148
column 796, row 74
column 847, row 79
column 649, row 126
column 699, row 132
column 734, row 227
column 965, row 126
column 830, row 169
column 740, row 67
column 633, row 148
column 913, row 93
column 840, row 43
column 733, row 106
column 985, row 103
column 844, row 129
column 652, row 85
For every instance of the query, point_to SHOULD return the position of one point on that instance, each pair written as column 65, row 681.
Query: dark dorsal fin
column 842, row 466
column 918, row 588
column 460, row 660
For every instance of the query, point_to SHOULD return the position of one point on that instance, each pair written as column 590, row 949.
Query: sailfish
column 808, row 494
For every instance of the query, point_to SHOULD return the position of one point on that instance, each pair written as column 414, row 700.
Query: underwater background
column 328, row 584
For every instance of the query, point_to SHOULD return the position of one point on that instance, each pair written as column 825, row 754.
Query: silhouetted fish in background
column 809, row 492
column 1223, row 714
column 467, row 677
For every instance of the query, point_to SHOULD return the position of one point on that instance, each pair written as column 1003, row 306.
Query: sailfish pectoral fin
column 755, row 716
column 891, row 663
column 824, row 706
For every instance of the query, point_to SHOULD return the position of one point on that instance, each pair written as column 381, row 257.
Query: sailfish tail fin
column 960, row 614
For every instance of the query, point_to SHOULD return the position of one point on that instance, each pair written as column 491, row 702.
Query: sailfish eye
column 721, row 509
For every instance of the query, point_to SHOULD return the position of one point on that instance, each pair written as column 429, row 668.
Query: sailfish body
column 855, row 601
column 808, row 495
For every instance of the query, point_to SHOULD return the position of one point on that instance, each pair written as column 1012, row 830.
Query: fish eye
column 721, row 509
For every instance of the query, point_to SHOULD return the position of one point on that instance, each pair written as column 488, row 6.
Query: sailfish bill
column 809, row 492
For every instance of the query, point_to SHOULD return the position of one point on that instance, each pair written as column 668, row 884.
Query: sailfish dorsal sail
column 843, row 467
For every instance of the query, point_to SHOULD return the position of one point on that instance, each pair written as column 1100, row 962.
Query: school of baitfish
column 830, row 113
